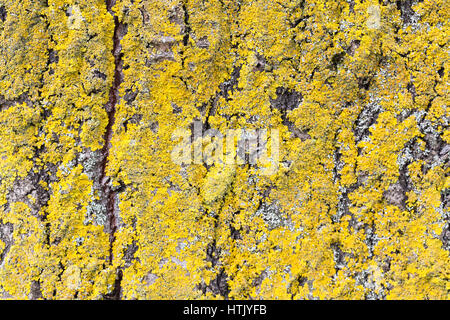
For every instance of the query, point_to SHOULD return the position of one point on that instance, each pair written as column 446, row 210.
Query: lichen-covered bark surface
column 93, row 207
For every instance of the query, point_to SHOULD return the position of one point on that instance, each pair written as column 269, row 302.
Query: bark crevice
column 108, row 191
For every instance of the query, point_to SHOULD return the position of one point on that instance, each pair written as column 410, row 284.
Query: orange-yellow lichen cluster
column 93, row 207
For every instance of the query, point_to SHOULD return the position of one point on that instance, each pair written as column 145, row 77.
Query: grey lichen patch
column 272, row 215
column 5, row 295
column 90, row 161
column 367, row 117
column 408, row 15
column 151, row 278
column 96, row 210
column 6, row 240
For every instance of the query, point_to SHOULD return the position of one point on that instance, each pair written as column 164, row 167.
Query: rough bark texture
column 93, row 205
